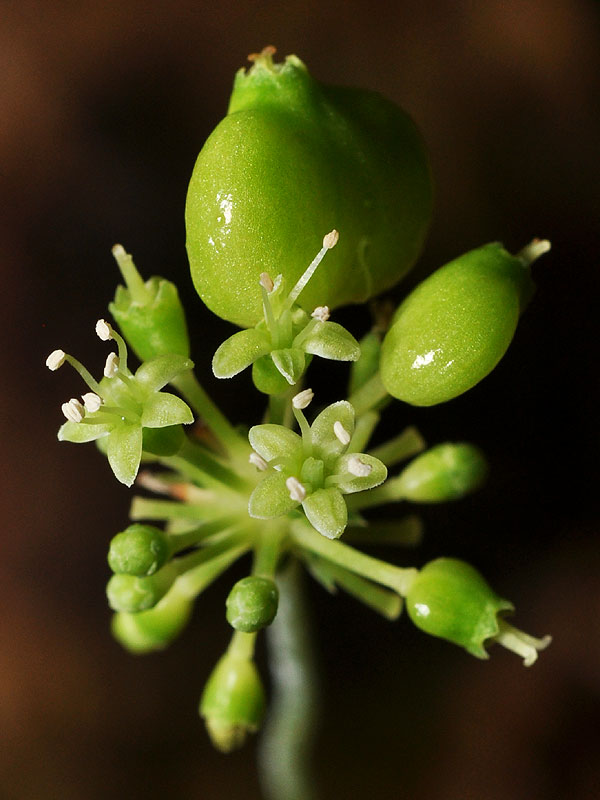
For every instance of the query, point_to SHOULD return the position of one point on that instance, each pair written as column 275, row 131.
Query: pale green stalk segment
column 268, row 551
column 396, row 578
column 133, row 279
column 365, row 425
column 370, row 395
column 392, row 491
column 193, row 582
column 406, row 532
column 144, row 508
column 406, row 444
column 199, row 464
column 242, row 645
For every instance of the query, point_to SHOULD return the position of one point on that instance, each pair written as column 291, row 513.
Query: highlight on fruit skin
column 295, row 155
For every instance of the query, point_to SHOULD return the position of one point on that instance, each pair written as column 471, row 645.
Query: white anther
column 103, row 330
column 303, row 399
column 358, row 467
column 341, row 432
column 258, row 461
column 266, row 281
column 331, row 239
column 91, row 401
column 322, row 313
column 56, row 359
column 112, row 365
column 296, row 490
column 73, row 410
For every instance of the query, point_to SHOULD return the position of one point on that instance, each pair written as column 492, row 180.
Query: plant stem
column 406, row 444
column 285, row 747
column 369, row 395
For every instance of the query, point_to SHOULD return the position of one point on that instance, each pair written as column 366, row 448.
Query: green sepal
column 290, row 362
column 154, row 629
column 162, row 409
column 239, row 351
column 82, row 432
column 332, row 341
column 326, row 511
column 154, row 374
column 322, row 429
column 155, row 327
column 124, row 451
column 252, row 603
column 273, row 441
column 162, row 441
column 139, row 550
column 451, row 600
column 132, row 594
column 267, row 378
column 233, row 702
column 445, row 472
column 348, row 483
column 271, row 498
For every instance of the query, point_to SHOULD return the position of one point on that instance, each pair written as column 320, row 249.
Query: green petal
column 125, row 452
column 274, row 441
column 323, row 434
column 155, row 374
column 330, row 340
column 162, row 409
column 348, row 483
column 326, row 511
column 290, row 363
column 271, row 498
column 267, row 378
column 239, row 351
column 80, row 432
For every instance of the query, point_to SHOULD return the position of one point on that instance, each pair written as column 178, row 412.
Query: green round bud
column 139, row 550
column 252, row 603
column 233, row 702
column 454, row 328
column 132, row 594
column 155, row 628
column 446, row 472
column 450, row 599
column 163, row 441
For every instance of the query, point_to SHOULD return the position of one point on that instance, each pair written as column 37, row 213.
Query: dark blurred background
column 103, row 109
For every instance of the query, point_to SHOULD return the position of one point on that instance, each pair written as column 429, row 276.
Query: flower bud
column 150, row 314
column 155, row 628
column 132, row 594
column 139, row 550
column 446, row 472
column 233, row 702
column 252, row 603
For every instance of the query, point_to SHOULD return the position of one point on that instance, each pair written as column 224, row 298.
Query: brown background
column 103, row 108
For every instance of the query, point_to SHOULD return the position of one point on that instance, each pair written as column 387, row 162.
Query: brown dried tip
column 267, row 52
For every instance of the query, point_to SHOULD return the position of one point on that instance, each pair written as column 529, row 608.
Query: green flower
column 314, row 470
column 122, row 406
column 281, row 345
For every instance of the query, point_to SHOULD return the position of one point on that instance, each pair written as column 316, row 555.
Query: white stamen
column 303, row 399
column 321, row 312
column 118, row 251
column 331, row 239
column 358, row 467
column 266, row 281
column 112, row 365
column 104, row 330
column 535, row 249
column 56, row 359
column 258, row 461
column 73, row 410
column 296, row 490
column 341, row 432
column 91, row 401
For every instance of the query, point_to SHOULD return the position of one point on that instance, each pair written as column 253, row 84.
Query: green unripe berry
column 155, row 628
column 446, row 472
column 233, row 702
column 252, row 603
column 452, row 330
column 292, row 160
column 139, row 550
column 450, row 599
column 132, row 594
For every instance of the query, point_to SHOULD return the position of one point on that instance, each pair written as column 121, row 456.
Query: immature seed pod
column 132, row 594
column 446, row 472
column 252, row 603
column 292, row 159
column 454, row 328
column 139, row 550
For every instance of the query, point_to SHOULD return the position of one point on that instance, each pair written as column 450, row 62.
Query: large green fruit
column 292, row 160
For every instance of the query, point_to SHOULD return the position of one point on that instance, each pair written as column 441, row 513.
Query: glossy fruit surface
column 452, row 330
column 292, row 160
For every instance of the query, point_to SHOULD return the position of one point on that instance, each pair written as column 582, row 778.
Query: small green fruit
column 446, row 472
column 139, row 550
column 252, row 603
